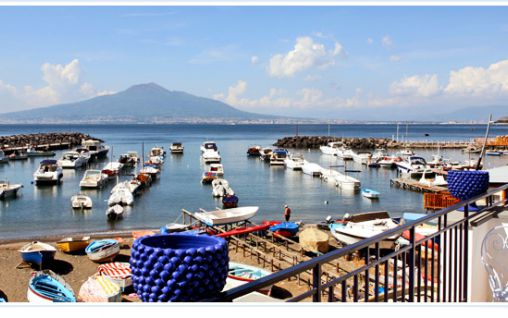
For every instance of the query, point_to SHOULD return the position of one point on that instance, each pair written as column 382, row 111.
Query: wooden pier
column 413, row 185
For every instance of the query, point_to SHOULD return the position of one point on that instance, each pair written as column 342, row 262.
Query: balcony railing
column 429, row 269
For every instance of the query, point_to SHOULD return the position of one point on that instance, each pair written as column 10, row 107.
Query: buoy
column 326, row 202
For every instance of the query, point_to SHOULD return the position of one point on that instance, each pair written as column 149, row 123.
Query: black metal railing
column 433, row 268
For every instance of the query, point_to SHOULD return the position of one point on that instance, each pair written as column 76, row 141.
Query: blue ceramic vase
column 183, row 268
column 465, row 185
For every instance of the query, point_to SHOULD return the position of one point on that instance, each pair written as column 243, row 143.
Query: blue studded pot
column 465, row 185
column 183, row 268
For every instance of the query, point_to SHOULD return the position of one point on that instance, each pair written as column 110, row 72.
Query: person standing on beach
column 287, row 213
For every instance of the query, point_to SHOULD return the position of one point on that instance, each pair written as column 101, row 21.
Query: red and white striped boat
column 119, row 272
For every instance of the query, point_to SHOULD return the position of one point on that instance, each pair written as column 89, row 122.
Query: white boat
column 153, row 172
column 93, row 179
column 414, row 166
column 129, row 159
column 176, row 148
column 47, row 287
column 439, row 180
column 219, row 217
column 98, row 288
column 278, row 156
column 353, row 232
column 33, row 152
column 220, row 187
column 389, row 161
column 72, row 160
column 211, row 156
column 121, row 195
column 361, row 157
column 266, row 154
column 378, row 154
column 208, row 145
column 370, row 194
column 346, row 182
column 81, row 201
column 96, row 148
column 312, row 169
column 133, row 185
column 345, row 153
column 103, row 250
column 112, row 169
column 18, row 155
column 84, row 152
column 8, row 190
column 406, row 152
column 3, row 157
column 49, row 172
column 115, row 212
column 332, row 148
column 156, row 156
column 294, row 162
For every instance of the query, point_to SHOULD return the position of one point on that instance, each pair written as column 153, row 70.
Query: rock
column 314, row 240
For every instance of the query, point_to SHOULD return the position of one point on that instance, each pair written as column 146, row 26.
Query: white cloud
column 312, row 78
column 416, row 85
column 370, row 41
column 478, row 81
column 305, row 54
column 395, row 58
column 254, row 59
column 387, row 41
column 7, row 88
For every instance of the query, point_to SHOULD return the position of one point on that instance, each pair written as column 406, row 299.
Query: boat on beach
column 73, row 245
column 220, row 217
column 246, row 273
column 38, row 253
column 176, row 148
column 98, row 288
column 93, row 179
column 248, row 229
column 8, row 190
column 286, row 229
column 48, row 287
column 81, row 201
column 73, row 160
column 49, row 172
column 103, row 250
column 118, row 272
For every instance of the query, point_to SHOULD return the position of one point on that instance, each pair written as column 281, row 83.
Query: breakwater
column 313, row 142
column 51, row 141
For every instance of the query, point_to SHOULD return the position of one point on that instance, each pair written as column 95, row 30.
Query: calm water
column 46, row 210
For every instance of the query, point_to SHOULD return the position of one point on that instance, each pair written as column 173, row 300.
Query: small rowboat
column 287, row 229
column 247, row 229
column 115, row 212
column 103, row 250
column 246, row 273
column 219, row 217
column 38, row 253
column 72, row 245
column 370, row 194
column 46, row 286
column 100, row 288
column 118, row 272
column 81, row 201
column 230, row 201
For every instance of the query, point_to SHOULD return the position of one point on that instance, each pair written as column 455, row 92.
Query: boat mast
column 482, row 153
column 397, row 140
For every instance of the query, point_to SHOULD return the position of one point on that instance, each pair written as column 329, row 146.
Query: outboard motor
column 329, row 219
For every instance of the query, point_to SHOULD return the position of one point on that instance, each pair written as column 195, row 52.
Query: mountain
column 477, row 113
column 142, row 103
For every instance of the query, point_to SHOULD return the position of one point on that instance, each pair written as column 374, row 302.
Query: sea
column 41, row 211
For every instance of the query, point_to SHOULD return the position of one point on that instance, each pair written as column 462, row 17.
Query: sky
column 326, row 62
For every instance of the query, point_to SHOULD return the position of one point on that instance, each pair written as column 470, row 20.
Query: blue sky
column 302, row 61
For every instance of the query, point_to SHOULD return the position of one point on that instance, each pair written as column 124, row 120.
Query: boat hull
column 40, row 258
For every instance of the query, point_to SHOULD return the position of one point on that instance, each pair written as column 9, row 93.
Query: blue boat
column 38, row 253
column 287, row 229
column 46, row 286
column 371, row 194
column 103, row 250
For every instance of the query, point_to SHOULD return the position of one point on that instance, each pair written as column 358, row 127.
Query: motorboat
column 72, row 160
column 208, row 145
column 81, row 201
column 294, row 162
column 254, row 151
column 103, row 250
column 176, row 148
column 216, row 170
column 347, row 183
column 96, row 147
column 493, row 153
column 378, row 154
column 361, row 157
column 49, row 172
column 3, row 157
column 157, row 155
column 345, row 153
column 121, row 195
column 18, row 155
column 211, row 156
column 34, row 152
column 220, row 217
column 129, row 159
column 220, row 188
column 84, row 152
column 150, row 170
column 370, row 194
column 389, row 161
column 332, row 148
column 112, row 169
column 93, row 179
column 38, row 253
column 278, row 156
column 406, row 152
column 115, row 212
column 230, row 201
column 414, row 166
column 266, row 154
column 312, row 169
column 48, row 287
column 437, row 160
column 73, row 245
column 134, row 185
column 439, row 180
column 8, row 190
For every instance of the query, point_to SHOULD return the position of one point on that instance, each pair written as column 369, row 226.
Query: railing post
column 316, row 283
column 466, row 250
column 411, row 262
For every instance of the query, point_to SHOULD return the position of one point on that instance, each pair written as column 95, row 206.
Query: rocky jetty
column 313, row 142
column 55, row 140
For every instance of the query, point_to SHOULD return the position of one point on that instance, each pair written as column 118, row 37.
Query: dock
column 413, row 185
column 42, row 141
